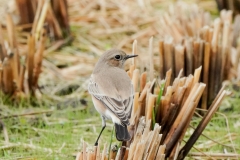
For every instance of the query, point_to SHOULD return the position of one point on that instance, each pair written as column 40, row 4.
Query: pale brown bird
column 112, row 91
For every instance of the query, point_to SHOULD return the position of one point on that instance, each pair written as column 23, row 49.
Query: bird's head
column 115, row 58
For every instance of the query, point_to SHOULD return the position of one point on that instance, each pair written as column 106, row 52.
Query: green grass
column 56, row 135
column 59, row 134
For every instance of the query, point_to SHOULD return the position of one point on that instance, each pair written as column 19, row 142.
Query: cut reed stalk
column 151, row 67
column 134, row 51
column 42, row 18
column 38, row 56
column 196, row 55
column 205, row 74
column 213, row 56
column 161, row 60
column 189, row 56
column 168, row 56
column 3, row 51
column 143, row 81
column 30, row 61
column 179, row 59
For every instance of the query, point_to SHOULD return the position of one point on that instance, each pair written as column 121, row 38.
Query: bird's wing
column 122, row 109
column 128, row 103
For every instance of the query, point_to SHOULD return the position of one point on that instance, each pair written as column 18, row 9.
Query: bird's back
column 114, row 82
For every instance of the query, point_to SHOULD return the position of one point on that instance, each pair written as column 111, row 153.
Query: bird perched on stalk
column 112, row 92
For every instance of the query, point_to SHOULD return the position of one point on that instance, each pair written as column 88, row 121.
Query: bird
column 112, row 91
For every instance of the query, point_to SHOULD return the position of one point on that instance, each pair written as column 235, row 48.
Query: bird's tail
column 122, row 133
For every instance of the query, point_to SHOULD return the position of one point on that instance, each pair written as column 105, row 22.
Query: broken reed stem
column 214, row 155
column 188, row 116
column 51, row 18
column 113, row 153
column 135, row 79
column 197, row 132
column 104, row 151
column 132, row 68
column 7, row 77
column 225, row 46
column 135, row 108
column 79, row 156
column 188, row 85
column 38, row 57
column 42, row 18
column 196, row 54
column 204, row 33
column 150, row 106
column 180, row 115
column 37, row 16
column 98, row 154
column 134, row 52
column 12, row 51
column 168, row 56
column 142, row 100
column 13, row 60
column 12, row 39
column 21, row 79
column 179, row 59
column 214, row 49
column 161, row 60
column 180, row 125
column 167, row 80
column 165, row 105
column 143, row 81
column 205, row 75
column 64, row 22
column 196, row 76
column 84, row 150
column 189, row 56
column 151, row 67
column 30, row 61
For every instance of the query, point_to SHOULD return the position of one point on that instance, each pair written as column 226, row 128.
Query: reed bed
column 22, row 47
column 190, row 47
column 184, row 37
column 20, row 73
column 161, row 113
column 199, row 44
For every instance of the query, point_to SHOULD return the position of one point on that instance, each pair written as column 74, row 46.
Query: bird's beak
column 131, row 56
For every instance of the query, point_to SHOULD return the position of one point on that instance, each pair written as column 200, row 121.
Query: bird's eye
column 117, row 57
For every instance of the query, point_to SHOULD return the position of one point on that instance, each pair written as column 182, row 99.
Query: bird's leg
column 103, row 127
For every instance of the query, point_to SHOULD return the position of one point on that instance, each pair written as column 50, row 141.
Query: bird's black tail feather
column 122, row 133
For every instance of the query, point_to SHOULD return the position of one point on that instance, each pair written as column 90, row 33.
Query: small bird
column 112, row 92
